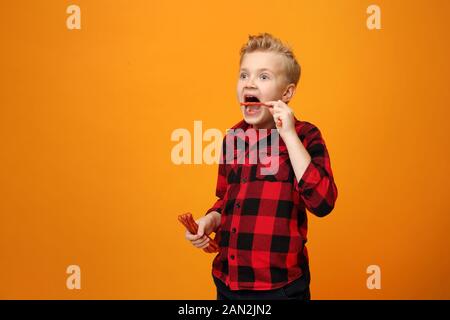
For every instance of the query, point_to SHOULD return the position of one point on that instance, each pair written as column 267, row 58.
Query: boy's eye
column 264, row 76
column 243, row 76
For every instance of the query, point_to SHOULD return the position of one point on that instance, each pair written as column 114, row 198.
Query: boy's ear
column 288, row 93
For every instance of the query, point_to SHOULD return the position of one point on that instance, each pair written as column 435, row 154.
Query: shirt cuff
column 219, row 210
column 311, row 177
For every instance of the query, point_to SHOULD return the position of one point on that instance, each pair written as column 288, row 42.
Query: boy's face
column 262, row 76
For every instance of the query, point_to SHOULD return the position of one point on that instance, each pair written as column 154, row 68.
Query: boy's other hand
column 206, row 225
column 282, row 111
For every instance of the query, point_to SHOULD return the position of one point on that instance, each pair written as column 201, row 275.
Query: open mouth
column 252, row 105
column 249, row 98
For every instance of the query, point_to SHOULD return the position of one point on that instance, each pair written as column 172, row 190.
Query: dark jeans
column 296, row 290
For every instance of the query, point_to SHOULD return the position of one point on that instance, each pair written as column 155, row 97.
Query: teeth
column 252, row 108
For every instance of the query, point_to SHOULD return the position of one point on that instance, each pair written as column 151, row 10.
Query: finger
column 270, row 103
column 278, row 121
column 201, row 228
column 282, row 105
column 276, row 112
column 204, row 246
column 191, row 237
column 202, row 243
column 199, row 241
column 277, row 115
column 274, row 103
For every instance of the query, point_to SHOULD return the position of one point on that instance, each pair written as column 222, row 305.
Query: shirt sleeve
column 221, row 185
column 317, row 187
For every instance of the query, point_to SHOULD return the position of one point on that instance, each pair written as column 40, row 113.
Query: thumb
column 201, row 228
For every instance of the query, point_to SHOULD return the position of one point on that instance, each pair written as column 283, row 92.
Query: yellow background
column 85, row 123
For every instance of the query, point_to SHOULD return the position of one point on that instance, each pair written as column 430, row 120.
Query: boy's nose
column 250, row 84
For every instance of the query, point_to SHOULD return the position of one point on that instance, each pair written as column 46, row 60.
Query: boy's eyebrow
column 261, row 69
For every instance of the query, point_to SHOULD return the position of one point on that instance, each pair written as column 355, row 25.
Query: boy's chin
column 253, row 120
column 256, row 120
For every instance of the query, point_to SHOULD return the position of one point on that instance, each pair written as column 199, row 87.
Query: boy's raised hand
column 282, row 111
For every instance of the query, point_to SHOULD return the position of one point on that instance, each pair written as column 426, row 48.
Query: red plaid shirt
column 263, row 227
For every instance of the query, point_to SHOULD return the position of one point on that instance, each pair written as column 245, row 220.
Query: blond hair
column 267, row 42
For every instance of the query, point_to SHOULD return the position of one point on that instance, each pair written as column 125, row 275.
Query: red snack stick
column 212, row 247
column 255, row 104
column 279, row 122
column 188, row 221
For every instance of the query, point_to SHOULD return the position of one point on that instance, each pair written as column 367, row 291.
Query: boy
column 260, row 217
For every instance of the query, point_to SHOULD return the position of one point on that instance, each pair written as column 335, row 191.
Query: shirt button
column 233, row 230
column 244, row 180
column 238, row 205
column 232, row 257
